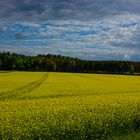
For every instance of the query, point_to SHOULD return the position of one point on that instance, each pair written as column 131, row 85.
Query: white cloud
column 113, row 37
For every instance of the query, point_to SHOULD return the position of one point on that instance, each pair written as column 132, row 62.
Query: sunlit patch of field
column 68, row 106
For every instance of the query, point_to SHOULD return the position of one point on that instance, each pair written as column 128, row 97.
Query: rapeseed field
column 73, row 106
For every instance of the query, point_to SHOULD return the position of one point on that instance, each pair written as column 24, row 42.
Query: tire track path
column 24, row 89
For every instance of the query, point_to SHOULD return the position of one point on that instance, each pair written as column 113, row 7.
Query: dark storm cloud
column 19, row 36
column 1, row 31
column 65, row 9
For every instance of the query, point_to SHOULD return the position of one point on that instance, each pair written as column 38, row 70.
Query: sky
column 87, row 29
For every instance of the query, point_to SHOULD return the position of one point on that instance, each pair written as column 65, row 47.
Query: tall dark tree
column 58, row 63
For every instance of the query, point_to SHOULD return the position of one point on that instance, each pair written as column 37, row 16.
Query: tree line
column 58, row 63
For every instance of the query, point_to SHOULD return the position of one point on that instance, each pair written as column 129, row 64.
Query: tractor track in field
column 72, row 95
column 24, row 89
column 93, row 79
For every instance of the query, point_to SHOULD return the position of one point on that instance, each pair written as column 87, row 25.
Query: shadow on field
column 27, row 88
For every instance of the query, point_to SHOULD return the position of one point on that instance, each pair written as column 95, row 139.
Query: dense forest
column 58, row 63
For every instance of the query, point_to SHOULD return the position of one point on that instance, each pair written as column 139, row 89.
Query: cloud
column 19, row 36
column 88, row 29
column 42, row 10
column 1, row 31
column 97, row 39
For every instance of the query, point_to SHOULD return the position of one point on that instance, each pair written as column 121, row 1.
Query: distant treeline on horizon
column 58, row 63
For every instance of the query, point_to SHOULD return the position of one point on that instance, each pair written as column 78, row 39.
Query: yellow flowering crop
column 39, row 105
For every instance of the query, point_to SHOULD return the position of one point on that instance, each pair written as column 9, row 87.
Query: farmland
column 39, row 105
